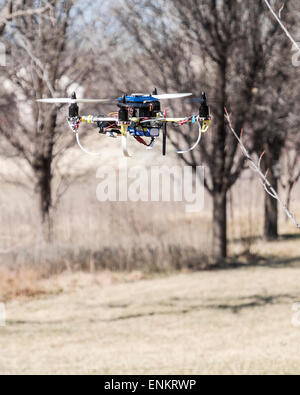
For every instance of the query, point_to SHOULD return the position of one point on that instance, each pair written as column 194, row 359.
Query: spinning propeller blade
column 121, row 101
column 169, row 96
column 72, row 101
column 166, row 120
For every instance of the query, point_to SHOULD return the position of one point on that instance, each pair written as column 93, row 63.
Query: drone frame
column 121, row 123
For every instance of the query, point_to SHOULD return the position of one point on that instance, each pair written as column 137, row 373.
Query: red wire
column 141, row 141
column 108, row 127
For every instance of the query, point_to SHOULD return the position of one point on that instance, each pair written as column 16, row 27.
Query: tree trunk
column 217, row 168
column 273, row 149
column 42, row 168
column 220, row 226
column 43, row 176
column 271, row 213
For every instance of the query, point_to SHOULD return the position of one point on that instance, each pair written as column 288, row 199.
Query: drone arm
column 181, row 121
column 92, row 119
column 74, row 122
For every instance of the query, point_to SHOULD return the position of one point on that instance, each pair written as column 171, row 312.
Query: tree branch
column 257, row 168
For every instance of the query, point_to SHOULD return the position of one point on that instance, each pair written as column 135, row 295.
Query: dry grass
column 92, row 236
column 32, row 282
column 228, row 322
column 19, row 283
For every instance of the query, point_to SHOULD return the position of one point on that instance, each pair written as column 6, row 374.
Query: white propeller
column 95, row 101
column 71, row 101
column 169, row 96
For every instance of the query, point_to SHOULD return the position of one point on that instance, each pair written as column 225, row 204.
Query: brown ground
column 229, row 321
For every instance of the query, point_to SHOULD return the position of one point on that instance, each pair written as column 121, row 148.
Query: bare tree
column 277, row 106
column 11, row 10
column 41, row 63
column 223, row 46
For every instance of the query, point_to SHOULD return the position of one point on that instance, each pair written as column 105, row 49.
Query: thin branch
column 22, row 13
column 282, row 26
column 256, row 167
column 40, row 69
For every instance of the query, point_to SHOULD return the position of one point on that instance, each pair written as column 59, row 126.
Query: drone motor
column 73, row 109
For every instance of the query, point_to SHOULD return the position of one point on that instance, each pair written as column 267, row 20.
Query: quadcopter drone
column 139, row 116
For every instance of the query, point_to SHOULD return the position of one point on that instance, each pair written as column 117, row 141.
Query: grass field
column 117, row 292
column 227, row 321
